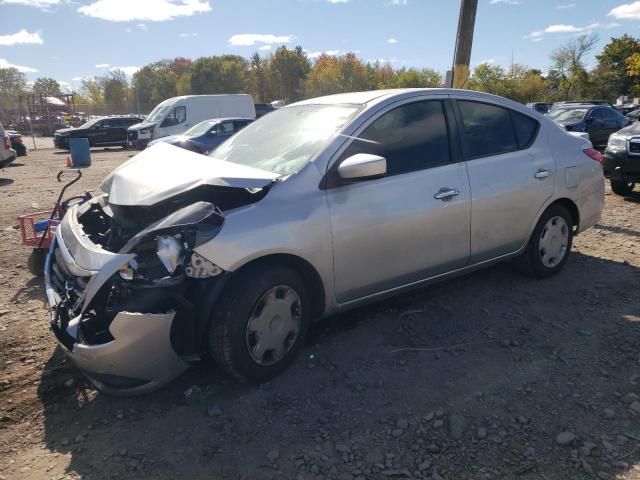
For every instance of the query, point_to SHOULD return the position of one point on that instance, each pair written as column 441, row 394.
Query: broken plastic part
column 200, row 267
column 170, row 251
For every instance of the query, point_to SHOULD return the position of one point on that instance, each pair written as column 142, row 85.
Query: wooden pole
column 464, row 41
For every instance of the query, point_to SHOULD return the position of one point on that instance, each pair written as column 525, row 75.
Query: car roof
column 224, row 119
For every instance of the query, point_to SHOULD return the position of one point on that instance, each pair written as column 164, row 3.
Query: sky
column 72, row 39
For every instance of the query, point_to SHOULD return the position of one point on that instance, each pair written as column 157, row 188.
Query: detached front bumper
column 137, row 356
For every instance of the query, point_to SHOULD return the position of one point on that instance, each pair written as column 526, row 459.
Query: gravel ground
column 488, row 376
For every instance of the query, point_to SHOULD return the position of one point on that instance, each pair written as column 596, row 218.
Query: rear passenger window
column 411, row 137
column 488, row 129
column 526, row 128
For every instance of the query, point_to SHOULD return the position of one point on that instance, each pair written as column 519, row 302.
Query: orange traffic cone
column 69, row 161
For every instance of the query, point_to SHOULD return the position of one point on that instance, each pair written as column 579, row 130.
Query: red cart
column 38, row 228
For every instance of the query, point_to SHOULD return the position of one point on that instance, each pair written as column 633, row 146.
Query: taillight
column 593, row 154
column 7, row 142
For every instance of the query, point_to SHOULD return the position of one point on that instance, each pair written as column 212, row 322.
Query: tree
column 568, row 61
column 13, row 83
column 288, row 70
column 332, row 74
column 92, row 89
column 47, row 87
column 219, row 74
column 115, row 88
column 613, row 71
column 412, row 78
column 488, row 78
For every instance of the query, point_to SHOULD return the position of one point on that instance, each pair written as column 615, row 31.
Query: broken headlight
column 171, row 251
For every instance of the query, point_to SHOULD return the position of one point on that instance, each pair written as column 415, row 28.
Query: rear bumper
column 136, row 356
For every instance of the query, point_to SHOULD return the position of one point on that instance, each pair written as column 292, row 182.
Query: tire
column 235, row 330
column 540, row 261
column 622, row 188
column 36, row 261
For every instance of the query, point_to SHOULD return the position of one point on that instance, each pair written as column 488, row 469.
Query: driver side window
column 410, row 137
column 177, row 116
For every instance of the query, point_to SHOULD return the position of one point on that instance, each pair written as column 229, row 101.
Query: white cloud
column 626, row 11
column 184, row 35
column 102, row 65
column 77, row 79
column 398, row 2
column 5, row 64
column 506, row 2
column 265, row 47
column 21, row 38
column 128, row 70
column 331, row 53
column 147, row 10
column 392, row 40
column 44, row 4
column 245, row 39
column 538, row 35
column 337, row 1
column 564, row 6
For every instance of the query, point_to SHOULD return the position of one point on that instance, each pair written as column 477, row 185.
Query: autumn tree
column 219, row 74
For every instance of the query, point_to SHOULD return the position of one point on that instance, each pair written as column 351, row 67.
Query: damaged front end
column 130, row 298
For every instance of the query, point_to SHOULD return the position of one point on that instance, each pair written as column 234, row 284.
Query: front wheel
column 549, row 245
column 622, row 188
column 260, row 322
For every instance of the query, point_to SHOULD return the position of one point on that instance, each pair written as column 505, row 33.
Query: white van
column 176, row 115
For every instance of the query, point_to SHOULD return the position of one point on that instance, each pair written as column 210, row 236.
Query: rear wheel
column 621, row 187
column 550, row 244
column 260, row 322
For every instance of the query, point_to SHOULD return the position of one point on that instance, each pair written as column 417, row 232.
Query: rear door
column 511, row 174
column 413, row 222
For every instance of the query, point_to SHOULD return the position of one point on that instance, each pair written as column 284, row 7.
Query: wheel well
column 572, row 208
column 304, row 268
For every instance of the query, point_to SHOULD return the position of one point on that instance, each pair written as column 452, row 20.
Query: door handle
column 540, row 174
column 445, row 193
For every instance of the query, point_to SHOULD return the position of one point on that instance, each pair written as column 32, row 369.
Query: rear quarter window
column 526, row 129
column 488, row 129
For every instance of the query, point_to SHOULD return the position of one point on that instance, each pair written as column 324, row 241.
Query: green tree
column 13, row 83
column 219, row 74
column 568, row 61
column 115, row 88
column 612, row 70
column 47, row 87
column 488, row 78
column 288, row 69
column 92, row 89
column 412, row 78
column 332, row 74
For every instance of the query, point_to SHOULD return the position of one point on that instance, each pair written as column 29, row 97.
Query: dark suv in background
column 101, row 132
column 622, row 160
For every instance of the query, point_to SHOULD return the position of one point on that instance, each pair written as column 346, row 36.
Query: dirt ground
column 489, row 376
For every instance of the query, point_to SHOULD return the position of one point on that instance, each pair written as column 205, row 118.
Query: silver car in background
column 316, row 208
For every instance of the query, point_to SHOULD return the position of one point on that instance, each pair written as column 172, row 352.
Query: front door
column 511, row 173
column 413, row 222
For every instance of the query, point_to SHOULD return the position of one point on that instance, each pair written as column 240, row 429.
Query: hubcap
column 554, row 240
column 273, row 325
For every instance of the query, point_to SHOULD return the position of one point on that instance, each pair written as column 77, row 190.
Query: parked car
column 16, row 143
column 627, row 109
column 569, row 103
column 634, row 115
column 205, row 136
column 176, row 115
column 316, row 208
column 622, row 160
column 598, row 121
column 540, row 107
column 7, row 154
column 263, row 109
column 102, row 132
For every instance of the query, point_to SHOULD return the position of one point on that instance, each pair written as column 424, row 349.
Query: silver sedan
column 316, row 208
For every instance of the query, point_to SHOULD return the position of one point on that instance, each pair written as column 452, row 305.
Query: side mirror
column 362, row 165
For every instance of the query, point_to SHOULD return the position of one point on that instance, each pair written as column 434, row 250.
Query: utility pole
column 464, row 41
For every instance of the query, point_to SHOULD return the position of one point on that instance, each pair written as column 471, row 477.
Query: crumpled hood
column 163, row 171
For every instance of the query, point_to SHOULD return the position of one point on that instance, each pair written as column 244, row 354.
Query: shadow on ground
column 472, row 378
